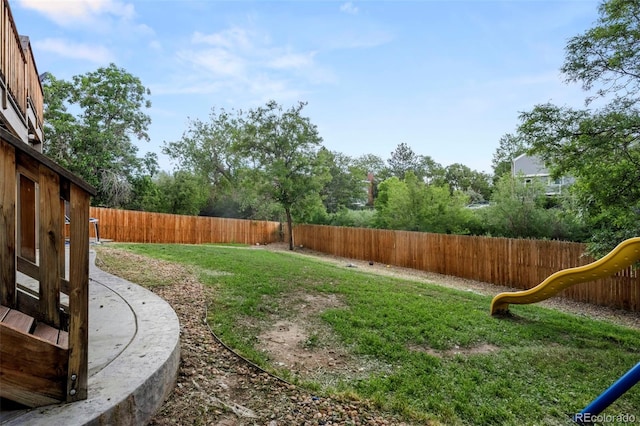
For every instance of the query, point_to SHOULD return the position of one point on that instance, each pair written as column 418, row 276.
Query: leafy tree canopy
column 510, row 146
column 412, row 205
column 91, row 123
column 284, row 147
column 403, row 160
column 370, row 163
column 347, row 187
column 474, row 183
column 600, row 148
column 207, row 148
column 606, row 56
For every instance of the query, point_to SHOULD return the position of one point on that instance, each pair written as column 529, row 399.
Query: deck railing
column 19, row 74
column 34, row 193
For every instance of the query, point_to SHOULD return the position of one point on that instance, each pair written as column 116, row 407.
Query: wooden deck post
column 7, row 225
column 78, row 295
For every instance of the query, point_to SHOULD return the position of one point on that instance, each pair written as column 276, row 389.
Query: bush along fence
column 142, row 227
column 511, row 262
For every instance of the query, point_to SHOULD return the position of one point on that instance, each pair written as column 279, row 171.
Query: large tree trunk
column 290, row 227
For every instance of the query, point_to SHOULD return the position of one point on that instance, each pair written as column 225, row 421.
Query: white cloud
column 349, row 8
column 218, row 61
column 232, row 38
column 73, row 12
column 97, row 54
column 265, row 88
column 243, row 60
column 156, row 45
column 144, row 29
column 292, row 61
column 236, row 50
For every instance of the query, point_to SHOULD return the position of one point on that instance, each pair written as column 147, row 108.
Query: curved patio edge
column 132, row 386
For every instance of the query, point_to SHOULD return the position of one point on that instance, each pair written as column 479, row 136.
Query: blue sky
column 448, row 78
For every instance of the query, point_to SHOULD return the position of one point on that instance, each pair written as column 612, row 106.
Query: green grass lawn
column 543, row 365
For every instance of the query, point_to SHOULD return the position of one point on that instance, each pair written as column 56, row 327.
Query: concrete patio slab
column 134, row 355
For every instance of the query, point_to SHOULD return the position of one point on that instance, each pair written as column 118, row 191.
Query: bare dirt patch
column 301, row 344
column 305, row 345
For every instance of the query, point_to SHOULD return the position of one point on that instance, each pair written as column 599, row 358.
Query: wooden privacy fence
column 143, row 227
column 516, row 263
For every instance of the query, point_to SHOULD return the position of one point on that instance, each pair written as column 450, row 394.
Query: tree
column 412, row 205
column 370, row 163
column 430, row 170
column 96, row 142
column 207, row 148
column 145, row 192
column 518, row 209
column 606, row 56
column 600, row 148
column 402, row 160
column 445, row 213
column 372, row 168
column 522, row 210
column 510, row 146
column 347, row 187
column 471, row 182
column 182, row 193
column 393, row 206
column 60, row 125
column 284, row 146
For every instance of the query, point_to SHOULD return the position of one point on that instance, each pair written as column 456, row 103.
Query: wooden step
column 18, row 321
column 33, row 360
column 33, row 371
column 46, row 332
column 26, row 324
column 63, row 339
column 3, row 312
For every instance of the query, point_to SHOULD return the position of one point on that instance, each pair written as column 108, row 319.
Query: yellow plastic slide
column 625, row 254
